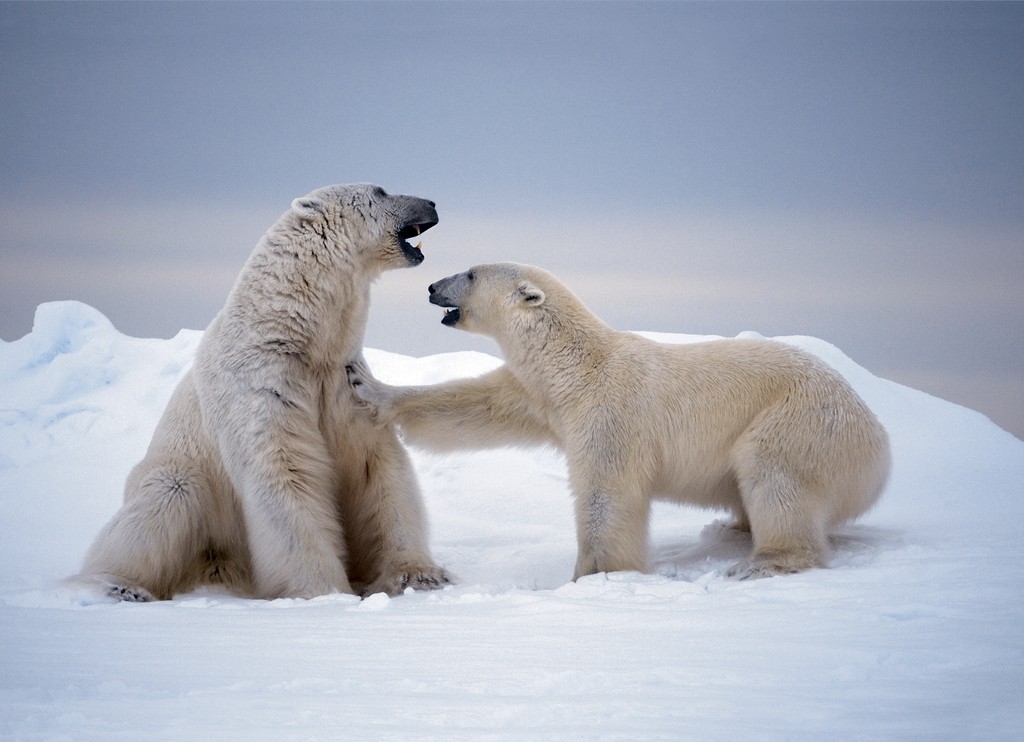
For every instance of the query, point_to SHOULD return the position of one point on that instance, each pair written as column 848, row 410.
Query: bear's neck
column 553, row 355
column 306, row 300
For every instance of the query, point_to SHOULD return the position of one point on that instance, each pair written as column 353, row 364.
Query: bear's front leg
column 391, row 507
column 611, row 531
column 285, row 481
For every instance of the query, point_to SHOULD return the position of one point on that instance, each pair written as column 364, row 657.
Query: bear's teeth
column 419, row 245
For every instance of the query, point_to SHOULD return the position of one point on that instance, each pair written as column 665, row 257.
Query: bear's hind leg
column 152, row 548
column 787, row 526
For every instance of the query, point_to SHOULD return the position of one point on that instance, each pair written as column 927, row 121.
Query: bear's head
column 489, row 298
column 368, row 222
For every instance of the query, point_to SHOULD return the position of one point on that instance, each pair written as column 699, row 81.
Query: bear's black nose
column 432, row 288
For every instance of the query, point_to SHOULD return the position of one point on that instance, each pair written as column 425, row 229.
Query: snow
column 916, row 631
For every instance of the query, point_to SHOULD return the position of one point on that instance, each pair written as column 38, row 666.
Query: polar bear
column 754, row 427
column 261, row 475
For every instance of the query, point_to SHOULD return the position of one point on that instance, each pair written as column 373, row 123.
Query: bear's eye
column 471, row 275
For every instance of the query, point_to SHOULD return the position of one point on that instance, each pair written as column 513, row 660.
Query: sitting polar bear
column 261, row 475
column 755, row 427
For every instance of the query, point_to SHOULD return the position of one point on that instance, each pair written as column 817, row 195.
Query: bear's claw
column 418, row 578
column 129, row 594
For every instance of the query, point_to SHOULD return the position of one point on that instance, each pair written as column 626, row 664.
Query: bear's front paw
column 368, row 392
column 418, row 577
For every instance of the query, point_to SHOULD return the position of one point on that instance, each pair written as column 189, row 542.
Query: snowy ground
column 915, row 632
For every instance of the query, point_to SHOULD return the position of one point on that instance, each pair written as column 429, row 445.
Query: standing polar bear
column 755, row 427
column 261, row 474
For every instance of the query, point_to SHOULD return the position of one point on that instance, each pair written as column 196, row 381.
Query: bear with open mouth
column 262, row 475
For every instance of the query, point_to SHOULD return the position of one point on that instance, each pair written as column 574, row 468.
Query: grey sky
column 851, row 171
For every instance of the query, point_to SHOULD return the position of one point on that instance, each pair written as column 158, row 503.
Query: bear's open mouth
column 451, row 316
column 452, row 312
column 413, row 253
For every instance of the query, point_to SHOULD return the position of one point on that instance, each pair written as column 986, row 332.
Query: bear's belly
column 696, row 484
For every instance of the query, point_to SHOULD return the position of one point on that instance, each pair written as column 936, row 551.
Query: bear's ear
column 531, row 295
column 308, row 207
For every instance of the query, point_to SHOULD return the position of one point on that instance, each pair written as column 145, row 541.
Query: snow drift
column 916, row 630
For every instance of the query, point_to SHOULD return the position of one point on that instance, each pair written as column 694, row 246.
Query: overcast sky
column 844, row 170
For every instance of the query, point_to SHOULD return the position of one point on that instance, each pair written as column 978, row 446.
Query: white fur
column 259, row 475
column 754, row 427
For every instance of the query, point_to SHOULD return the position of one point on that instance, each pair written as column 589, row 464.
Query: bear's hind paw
column 129, row 594
column 773, row 564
